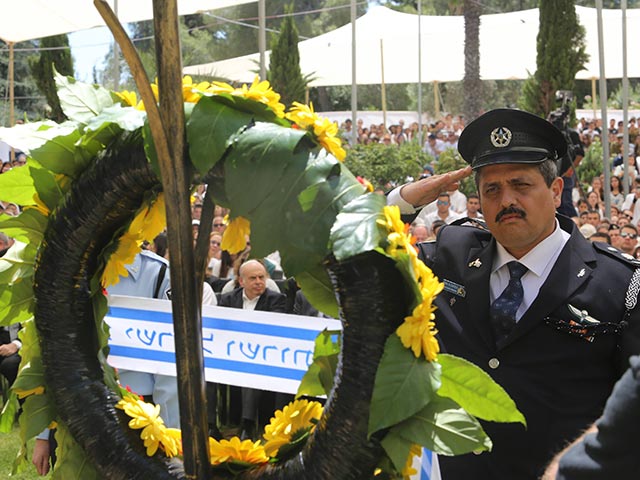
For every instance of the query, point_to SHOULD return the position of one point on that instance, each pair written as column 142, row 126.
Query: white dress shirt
column 540, row 260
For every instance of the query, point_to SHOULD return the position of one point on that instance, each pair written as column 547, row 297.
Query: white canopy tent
column 507, row 49
column 29, row 19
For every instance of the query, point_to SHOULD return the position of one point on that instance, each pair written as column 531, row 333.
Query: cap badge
column 501, row 137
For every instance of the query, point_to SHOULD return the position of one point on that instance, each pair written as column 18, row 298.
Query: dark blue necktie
column 503, row 309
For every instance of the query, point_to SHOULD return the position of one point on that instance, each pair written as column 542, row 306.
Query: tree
column 561, row 55
column 472, row 83
column 284, row 65
column 56, row 54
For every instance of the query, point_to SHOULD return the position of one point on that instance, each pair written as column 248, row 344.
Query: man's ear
column 240, row 281
column 556, row 189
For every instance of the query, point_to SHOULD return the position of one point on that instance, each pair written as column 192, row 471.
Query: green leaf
column 29, row 136
column 37, row 414
column 48, row 189
column 31, row 375
column 81, row 102
column 72, row 460
column 28, row 227
column 404, row 385
column 318, row 380
column 58, row 154
column 113, row 120
column 210, row 129
column 356, row 229
column 9, row 411
column 475, row 391
column 444, row 428
column 16, row 186
column 317, row 287
column 17, row 263
column 397, row 448
column 16, row 302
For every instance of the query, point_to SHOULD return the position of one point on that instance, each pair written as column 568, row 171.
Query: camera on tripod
column 559, row 118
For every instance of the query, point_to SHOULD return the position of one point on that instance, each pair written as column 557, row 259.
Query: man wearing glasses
column 629, row 239
column 443, row 212
column 631, row 202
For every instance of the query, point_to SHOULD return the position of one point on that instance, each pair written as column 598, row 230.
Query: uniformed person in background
column 549, row 315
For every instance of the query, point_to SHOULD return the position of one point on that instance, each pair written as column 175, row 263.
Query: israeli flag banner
column 426, row 466
column 247, row 348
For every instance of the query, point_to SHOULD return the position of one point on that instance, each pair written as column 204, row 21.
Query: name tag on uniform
column 454, row 288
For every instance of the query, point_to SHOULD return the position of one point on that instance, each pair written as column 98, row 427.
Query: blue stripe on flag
column 425, row 464
column 229, row 365
column 218, row 324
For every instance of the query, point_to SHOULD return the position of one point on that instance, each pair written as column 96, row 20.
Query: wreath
column 91, row 195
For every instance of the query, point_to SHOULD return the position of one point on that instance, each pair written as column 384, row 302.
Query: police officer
column 550, row 316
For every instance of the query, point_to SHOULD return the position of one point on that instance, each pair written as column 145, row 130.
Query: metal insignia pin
column 476, row 263
column 452, row 300
column 581, row 273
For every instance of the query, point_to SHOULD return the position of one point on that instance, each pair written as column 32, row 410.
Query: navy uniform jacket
column 269, row 301
column 612, row 452
column 558, row 379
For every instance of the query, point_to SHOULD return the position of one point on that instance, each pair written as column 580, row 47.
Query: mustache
column 510, row 211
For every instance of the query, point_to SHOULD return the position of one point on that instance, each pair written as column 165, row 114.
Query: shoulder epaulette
column 615, row 253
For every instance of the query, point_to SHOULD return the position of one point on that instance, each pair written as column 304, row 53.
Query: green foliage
column 29, row 104
column 591, row 165
column 319, row 377
column 561, row 54
column 44, row 66
column 284, row 65
column 450, row 160
column 404, row 386
column 381, row 164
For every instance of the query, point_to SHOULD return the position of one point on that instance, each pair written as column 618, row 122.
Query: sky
column 89, row 48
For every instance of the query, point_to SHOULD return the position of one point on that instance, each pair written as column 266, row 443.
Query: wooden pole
column 383, row 96
column 168, row 122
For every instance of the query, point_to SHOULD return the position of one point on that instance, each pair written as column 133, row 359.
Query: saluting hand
column 426, row 190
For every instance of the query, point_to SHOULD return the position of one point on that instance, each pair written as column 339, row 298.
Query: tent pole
column 625, row 101
column 383, row 92
column 354, row 85
column 11, row 96
column 420, row 72
column 605, row 124
column 116, row 56
column 262, row 38
column 594, row 97
column 436, row 100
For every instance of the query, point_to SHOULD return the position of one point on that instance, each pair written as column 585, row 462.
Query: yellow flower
column 324, row 130
column 129, row 98
column 128, row 248
column 294, row 420
column 150, row 220
column 258, row 91
column 154, row 433
column 417, row 332
column 408, row 469
column 31, row 391
column 191, row 92
column 40, row 206
column 235, row 450
column 234, row 237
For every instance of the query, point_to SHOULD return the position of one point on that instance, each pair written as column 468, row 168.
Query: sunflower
column 258, row 91
column 128, row 248
column 236, row 450
column 130, row 98
column 290, row 423
column 417, row 332
column 324, row 130
column 150, row 220
column 154, row 433
column 192, row 92
column 39, row 390
column 234, row 238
